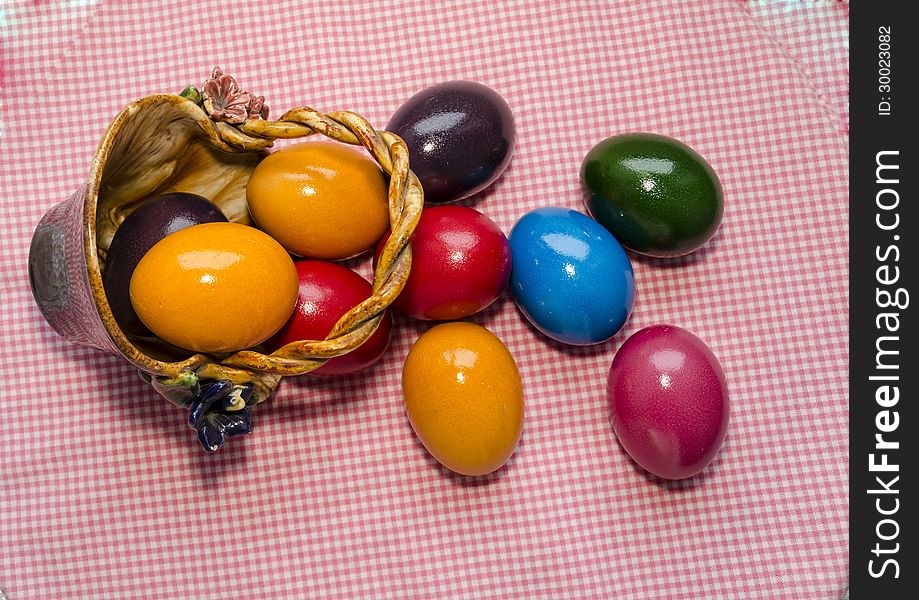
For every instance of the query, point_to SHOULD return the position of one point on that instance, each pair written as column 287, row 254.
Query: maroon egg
column 460, row 137
column 461, row 262
column 668, row 401
column 143, row 228
column 327, row 291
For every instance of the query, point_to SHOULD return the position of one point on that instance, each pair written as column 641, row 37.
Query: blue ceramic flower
column 218, row 412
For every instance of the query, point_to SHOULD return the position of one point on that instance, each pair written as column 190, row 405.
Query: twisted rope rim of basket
column 405, row 202
column 405, row 199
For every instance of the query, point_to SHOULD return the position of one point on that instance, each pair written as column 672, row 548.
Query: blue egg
column 570, row 276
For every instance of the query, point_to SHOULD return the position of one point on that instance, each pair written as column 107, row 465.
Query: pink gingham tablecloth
column 104, row 492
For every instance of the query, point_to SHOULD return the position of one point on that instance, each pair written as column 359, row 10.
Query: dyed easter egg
column 570, row 276
column 657, row 195
column 327, row 291
column 668, row 401
column 463, row 397
column 460, row 135
column 461, row 262
column 320, row 199
column 140, row 230
column 216, row 287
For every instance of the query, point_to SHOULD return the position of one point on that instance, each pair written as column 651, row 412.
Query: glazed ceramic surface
column 657, row 195
column 460, row 135
column 320, row 199
column 570, row 276
column 461, row 264
column 195, row 287
column 143, row 228
column 463, row 397
column 327, row 291
column 668, row 401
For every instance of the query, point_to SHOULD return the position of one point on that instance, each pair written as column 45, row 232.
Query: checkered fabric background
column 105, row 493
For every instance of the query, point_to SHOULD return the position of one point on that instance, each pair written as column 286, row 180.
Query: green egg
column 657, row 195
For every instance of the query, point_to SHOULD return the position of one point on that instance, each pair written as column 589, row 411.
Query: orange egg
column 463, row 397
column 216, row 287
column 321, row 200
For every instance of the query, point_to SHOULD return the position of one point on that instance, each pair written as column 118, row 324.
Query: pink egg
column 668, row 401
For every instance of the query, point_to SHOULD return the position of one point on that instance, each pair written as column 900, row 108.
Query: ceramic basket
column 207, row 142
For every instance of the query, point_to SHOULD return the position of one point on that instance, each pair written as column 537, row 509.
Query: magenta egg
column 668, row 401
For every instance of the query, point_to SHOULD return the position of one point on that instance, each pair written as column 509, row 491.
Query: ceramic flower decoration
column 257, row 108
column 224, row 101
column 218, row 411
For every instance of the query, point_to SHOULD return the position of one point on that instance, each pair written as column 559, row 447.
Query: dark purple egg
column 460, row 137
column 138, row 233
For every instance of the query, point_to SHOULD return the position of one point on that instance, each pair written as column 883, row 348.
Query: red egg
column 327, row 291
column 668, row 401
column 461, row 263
